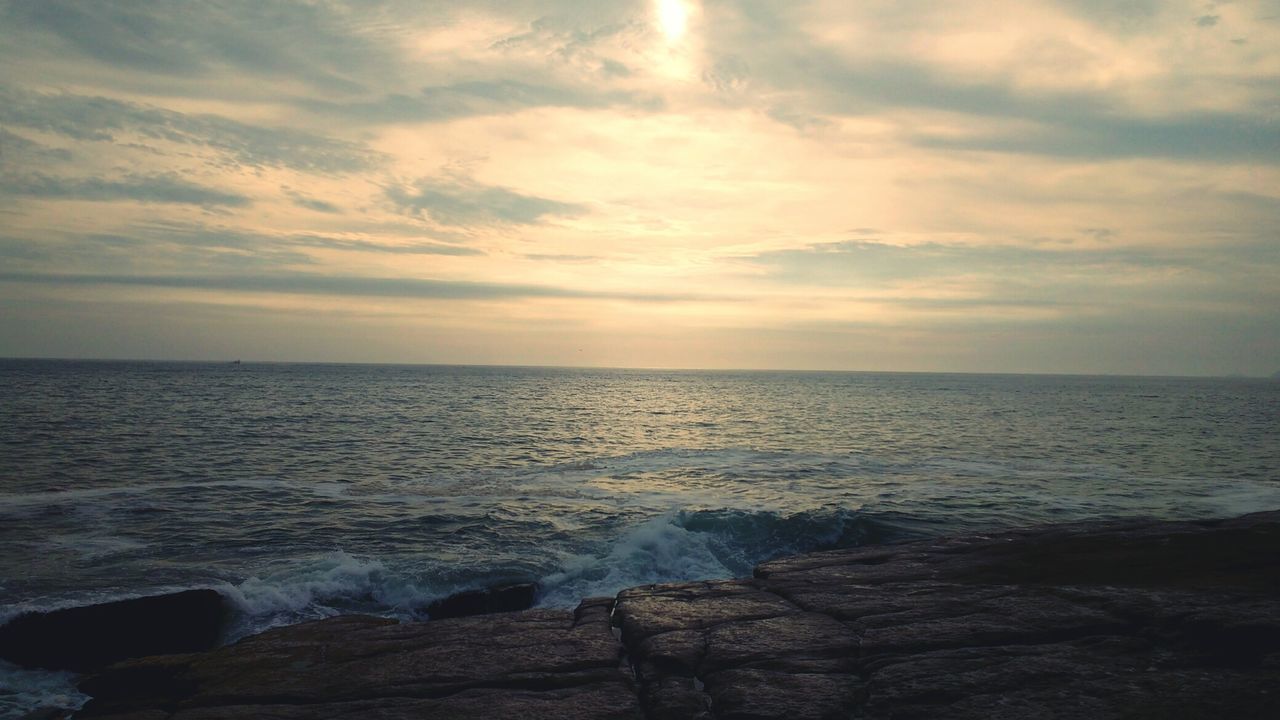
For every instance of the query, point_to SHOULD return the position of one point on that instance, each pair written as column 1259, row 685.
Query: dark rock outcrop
column 1123, row 620
column 91, row 637
column 538, row 663
column 506, row 598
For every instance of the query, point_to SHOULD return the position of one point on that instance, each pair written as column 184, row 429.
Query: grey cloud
column 888, row 84
column 314, row 43
column 1237, row 275
column 16, row 148
column 869, row 263
column 203, row 236
column 806, row 82
column 613, row 68
column 980, row 303
column 1208, row 137
column 728, row 74
column 317, row 205
column 463, row 203
column 19, row 249
column 166, row 248
column 466, row 99
column 583, row 35
column 89, row 118
column 313, row 204
column 413, row 248
column 1069, row 123
column 136, row 188
column 151, row 251
column 307, row 284
column 1121, row 15
column 807, row 78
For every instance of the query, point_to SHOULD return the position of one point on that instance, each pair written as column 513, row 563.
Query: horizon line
column 231, row 361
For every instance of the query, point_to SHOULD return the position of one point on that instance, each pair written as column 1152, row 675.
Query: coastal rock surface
column 89, row 638
column 1122, row 620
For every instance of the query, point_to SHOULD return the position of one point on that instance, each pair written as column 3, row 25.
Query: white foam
column 22, row 691
column 321, row 587
column 659, row 550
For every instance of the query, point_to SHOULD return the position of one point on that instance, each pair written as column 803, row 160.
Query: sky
column 1062, row 186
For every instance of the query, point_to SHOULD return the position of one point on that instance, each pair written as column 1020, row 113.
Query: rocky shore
column 1126, row 620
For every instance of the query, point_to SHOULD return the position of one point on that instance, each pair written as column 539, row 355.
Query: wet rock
column 676, row 698
column 654, row 609
column 589, row 702
column 802, row 642
column 1121, row 620
column 1104, row 677
column 506, row 598
column 87, row 638
column 1135, row 620
column 763, row 694
column 485, row 666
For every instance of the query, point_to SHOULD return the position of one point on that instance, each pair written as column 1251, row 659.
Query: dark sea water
column 302, row 490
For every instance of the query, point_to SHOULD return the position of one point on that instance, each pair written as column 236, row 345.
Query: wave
column 320, row 587
column 709, row 544
column 674, row 547
column 22, row 691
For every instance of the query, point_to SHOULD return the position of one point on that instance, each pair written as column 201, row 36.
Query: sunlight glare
column 673, row 17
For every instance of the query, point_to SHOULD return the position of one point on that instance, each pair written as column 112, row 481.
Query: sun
column 673, row 18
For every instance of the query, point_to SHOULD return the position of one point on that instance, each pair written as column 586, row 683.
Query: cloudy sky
column 1028, row 186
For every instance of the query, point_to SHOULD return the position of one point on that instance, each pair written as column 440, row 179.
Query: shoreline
column 1115, row 619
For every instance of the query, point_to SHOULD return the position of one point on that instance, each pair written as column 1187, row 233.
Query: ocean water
column 305, row 490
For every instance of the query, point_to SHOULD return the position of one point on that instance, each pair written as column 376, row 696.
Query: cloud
column 1065, row 123
column 803, row 81
column 135, row 188
column 1118, row 15
column 93, row 118
column 340, row 285
column 476, row 98
column 562, row 257
column 1205, row 137
column 195, row 235
column 862, row 261
column 18, row 150
column 308, row 203
column 461, row 202
column 172, row 248
column 411, row 248
column 1235, row 277
column 312, row 43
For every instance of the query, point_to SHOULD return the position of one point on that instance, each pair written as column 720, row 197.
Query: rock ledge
column 1120, row 620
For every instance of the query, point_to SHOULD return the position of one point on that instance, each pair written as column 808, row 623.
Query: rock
column 654, row 609
column 1136, row 620
column 86, row 638
column 752, row 694
column 538, row 663
column 1117, row 620
column 507, row 598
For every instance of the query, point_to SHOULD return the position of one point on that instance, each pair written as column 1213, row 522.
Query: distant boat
column 235, row 362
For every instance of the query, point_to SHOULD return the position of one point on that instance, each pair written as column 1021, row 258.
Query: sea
column 302, row 491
